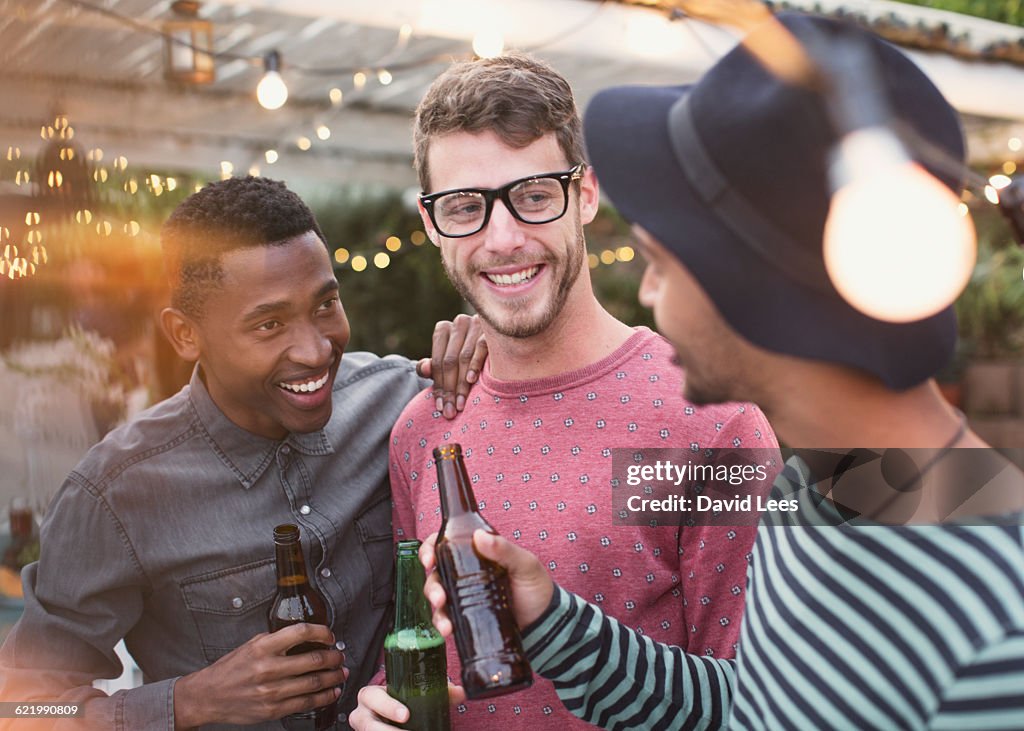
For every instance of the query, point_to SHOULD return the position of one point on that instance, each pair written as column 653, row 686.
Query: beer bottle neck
column 411, row 608
column 291, row 565
column 453, row 482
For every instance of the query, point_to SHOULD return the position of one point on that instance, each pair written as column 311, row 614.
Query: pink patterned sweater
column 538, row 454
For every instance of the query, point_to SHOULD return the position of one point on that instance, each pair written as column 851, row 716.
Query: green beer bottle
column 414, row 654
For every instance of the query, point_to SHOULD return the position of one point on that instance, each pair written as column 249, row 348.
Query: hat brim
column 628, row 143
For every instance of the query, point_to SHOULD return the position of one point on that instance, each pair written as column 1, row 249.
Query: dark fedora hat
column 731, row 175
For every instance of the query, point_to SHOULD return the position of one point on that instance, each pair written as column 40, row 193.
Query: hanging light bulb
column 272, row 92
column 896, row 247
column 488, row 43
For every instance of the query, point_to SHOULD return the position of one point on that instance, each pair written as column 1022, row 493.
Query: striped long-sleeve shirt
column 846, row 627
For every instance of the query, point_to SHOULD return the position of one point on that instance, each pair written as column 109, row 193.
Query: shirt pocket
column 374, row 527
column 229, row 607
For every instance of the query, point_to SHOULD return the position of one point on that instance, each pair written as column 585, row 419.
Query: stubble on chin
column 518, row 322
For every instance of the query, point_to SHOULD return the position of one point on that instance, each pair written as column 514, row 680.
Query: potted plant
column 991, row 319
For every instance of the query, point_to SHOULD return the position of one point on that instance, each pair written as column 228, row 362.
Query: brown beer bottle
column 486, row 634
column 297, row 601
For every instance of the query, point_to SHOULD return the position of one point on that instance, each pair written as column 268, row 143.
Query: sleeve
column 403, row 522
column 615, row 678
column 986, row 694
column 403, row 510
column 81, row 598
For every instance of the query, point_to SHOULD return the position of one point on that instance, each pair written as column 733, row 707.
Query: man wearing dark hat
column 892, row 601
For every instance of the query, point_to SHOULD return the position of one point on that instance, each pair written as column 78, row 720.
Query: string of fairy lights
column 23, row 259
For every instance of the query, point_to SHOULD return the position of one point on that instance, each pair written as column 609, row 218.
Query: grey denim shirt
column 163, row 536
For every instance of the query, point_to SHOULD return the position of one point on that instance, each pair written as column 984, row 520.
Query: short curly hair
column 231, row 214
column 516, row 96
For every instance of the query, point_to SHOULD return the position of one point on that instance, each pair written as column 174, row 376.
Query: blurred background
column 113, row 111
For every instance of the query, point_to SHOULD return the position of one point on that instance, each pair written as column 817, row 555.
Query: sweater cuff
column 552, row 630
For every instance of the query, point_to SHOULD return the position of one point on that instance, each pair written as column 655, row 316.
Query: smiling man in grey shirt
column 162, row 534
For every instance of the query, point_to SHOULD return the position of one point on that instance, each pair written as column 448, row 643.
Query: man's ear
column 182, row 333
column 590, row 196
column 428, row 225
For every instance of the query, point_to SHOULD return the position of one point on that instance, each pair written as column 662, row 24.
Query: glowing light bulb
column 896, row 246
column 272, row 92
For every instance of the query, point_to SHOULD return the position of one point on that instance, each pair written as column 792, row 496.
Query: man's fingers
column 438, row 350
column 375, row 699
column 432, row 589
column 427, row 552
column 434, row 592
column 457, row 353
column 496, row 548
column 471, row 360
column 308, row 702
column 310, row 683
column 476, row 361
column 459, row 332
column 311, row 662
column 456, row 694
column 529, row 581
column 282, row 640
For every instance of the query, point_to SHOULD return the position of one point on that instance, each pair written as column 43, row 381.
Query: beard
column 514, row 320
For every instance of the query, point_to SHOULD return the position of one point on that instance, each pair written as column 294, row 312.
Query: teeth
column 515, row 277
column 307, row 387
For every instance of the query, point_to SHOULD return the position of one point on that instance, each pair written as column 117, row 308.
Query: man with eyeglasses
column 499, row 153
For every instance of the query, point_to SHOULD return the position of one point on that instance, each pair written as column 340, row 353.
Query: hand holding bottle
column 531, row 585
column 378, row 711
column 486, row 635
column 259, row 681
column 297, row 601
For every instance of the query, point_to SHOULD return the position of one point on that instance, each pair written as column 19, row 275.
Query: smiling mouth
column 506, row 280
column 307, row 386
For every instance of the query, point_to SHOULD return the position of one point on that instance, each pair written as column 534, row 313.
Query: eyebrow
column 268, row 308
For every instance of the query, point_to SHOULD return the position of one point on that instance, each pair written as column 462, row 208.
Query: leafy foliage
column 1002, row 11
column 990, row 311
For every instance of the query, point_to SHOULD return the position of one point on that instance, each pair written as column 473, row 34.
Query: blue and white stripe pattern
column 846, row 627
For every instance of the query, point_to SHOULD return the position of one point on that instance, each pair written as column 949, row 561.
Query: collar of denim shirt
column 246, row 454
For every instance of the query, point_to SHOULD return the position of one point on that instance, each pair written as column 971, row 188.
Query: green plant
column 991, row 309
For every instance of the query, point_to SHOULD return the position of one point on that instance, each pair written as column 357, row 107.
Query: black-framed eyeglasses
column 535, row 199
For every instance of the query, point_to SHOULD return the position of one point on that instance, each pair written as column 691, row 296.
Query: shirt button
column 286, row 450
column 325, row 573
column 237, row 602
column 305, row 510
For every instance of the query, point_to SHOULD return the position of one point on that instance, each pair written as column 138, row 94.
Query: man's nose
column 504, row 232
column 310, row 347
